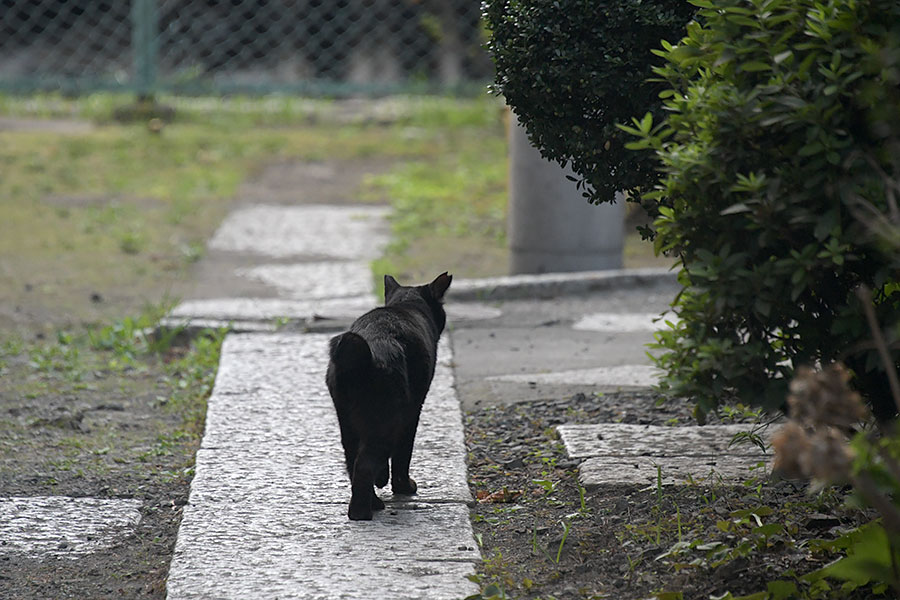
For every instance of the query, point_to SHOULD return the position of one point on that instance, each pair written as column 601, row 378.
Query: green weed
column 450, row 209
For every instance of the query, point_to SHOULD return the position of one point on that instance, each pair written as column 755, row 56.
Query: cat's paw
column 381, row 478
column 406, row 487
column 377, row 503
column 360, row 513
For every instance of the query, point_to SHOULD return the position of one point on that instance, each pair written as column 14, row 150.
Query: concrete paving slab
column 340, row 232
column 245, row 311
column 267, row 510
column 316, row 280
column 627, row 440
column 292, row 412
column 270, row 309
column 674, row 470
column 516, row 356
column 294, row 446
column 481, row 393
column 622, row 376
column 294, row 549
column 64, row 527
column 470, row 311
column 494, row 351
column 272, row 473
column 197, row 325
column 562, row 312
column 622, row 322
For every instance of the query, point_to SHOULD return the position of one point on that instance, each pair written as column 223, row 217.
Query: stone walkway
column 64, row 527
column 648, row 454
column 266, row 516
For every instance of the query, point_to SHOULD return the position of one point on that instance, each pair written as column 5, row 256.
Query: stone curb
column 552, row 285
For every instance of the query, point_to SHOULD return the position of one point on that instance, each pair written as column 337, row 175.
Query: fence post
column 144, row 26
column 550, row 225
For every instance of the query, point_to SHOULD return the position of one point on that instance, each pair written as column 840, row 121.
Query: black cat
column 378, row 375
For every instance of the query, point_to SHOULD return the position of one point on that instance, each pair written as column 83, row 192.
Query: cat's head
column 432, row 294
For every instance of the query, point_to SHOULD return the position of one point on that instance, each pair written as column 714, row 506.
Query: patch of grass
column 448, row 212
column 274, row 110
column 192, row 376
column 121, row 203
column 74, row 434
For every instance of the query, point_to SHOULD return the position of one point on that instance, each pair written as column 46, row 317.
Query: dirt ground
column 85, row 422
column 101, row 442
column 542, row 535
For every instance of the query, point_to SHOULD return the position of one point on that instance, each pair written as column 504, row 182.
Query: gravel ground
column 544, row 536
column 109, row 440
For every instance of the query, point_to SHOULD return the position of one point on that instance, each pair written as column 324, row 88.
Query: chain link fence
column 310, row 47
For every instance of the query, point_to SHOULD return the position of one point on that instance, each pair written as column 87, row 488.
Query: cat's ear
column 390, row 286
column 439, row 286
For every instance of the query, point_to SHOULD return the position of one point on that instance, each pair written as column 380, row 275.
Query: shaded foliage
column 572, row 69
column 780, row 159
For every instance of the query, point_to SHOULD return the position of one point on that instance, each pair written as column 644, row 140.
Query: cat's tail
column 350, row 354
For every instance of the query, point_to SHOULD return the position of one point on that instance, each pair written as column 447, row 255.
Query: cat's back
column 402, row 341
column 403, row 325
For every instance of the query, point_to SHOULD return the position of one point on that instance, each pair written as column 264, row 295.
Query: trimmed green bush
column 572, row 69
column 780, row 169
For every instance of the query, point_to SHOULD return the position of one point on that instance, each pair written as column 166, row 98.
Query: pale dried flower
column 824, row 398
column 829, row 457
column 823, row 455
column 790, row 443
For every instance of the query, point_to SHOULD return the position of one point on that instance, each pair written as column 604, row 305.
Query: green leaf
column 868, row 558
column 769, row 529
column 782, row 56
column 754, row 66
column 628, row 130
column 781, row 590
column 742, row 20
column 810, row 149
column 683, row 53
column 638, row 145
column 734, row 209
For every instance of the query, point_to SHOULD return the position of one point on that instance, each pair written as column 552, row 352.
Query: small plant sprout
column 581, row 496
column 548, row 486
column 566, row 529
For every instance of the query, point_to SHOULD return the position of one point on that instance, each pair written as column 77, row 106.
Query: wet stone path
column 267, row 513
column 64, row 527
column 614, row 453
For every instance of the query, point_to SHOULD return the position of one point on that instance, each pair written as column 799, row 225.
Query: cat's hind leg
column 349, row 440
column 381, row 478
column 363, row 499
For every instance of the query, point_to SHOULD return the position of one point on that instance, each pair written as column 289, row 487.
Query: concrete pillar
column 551, row 227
